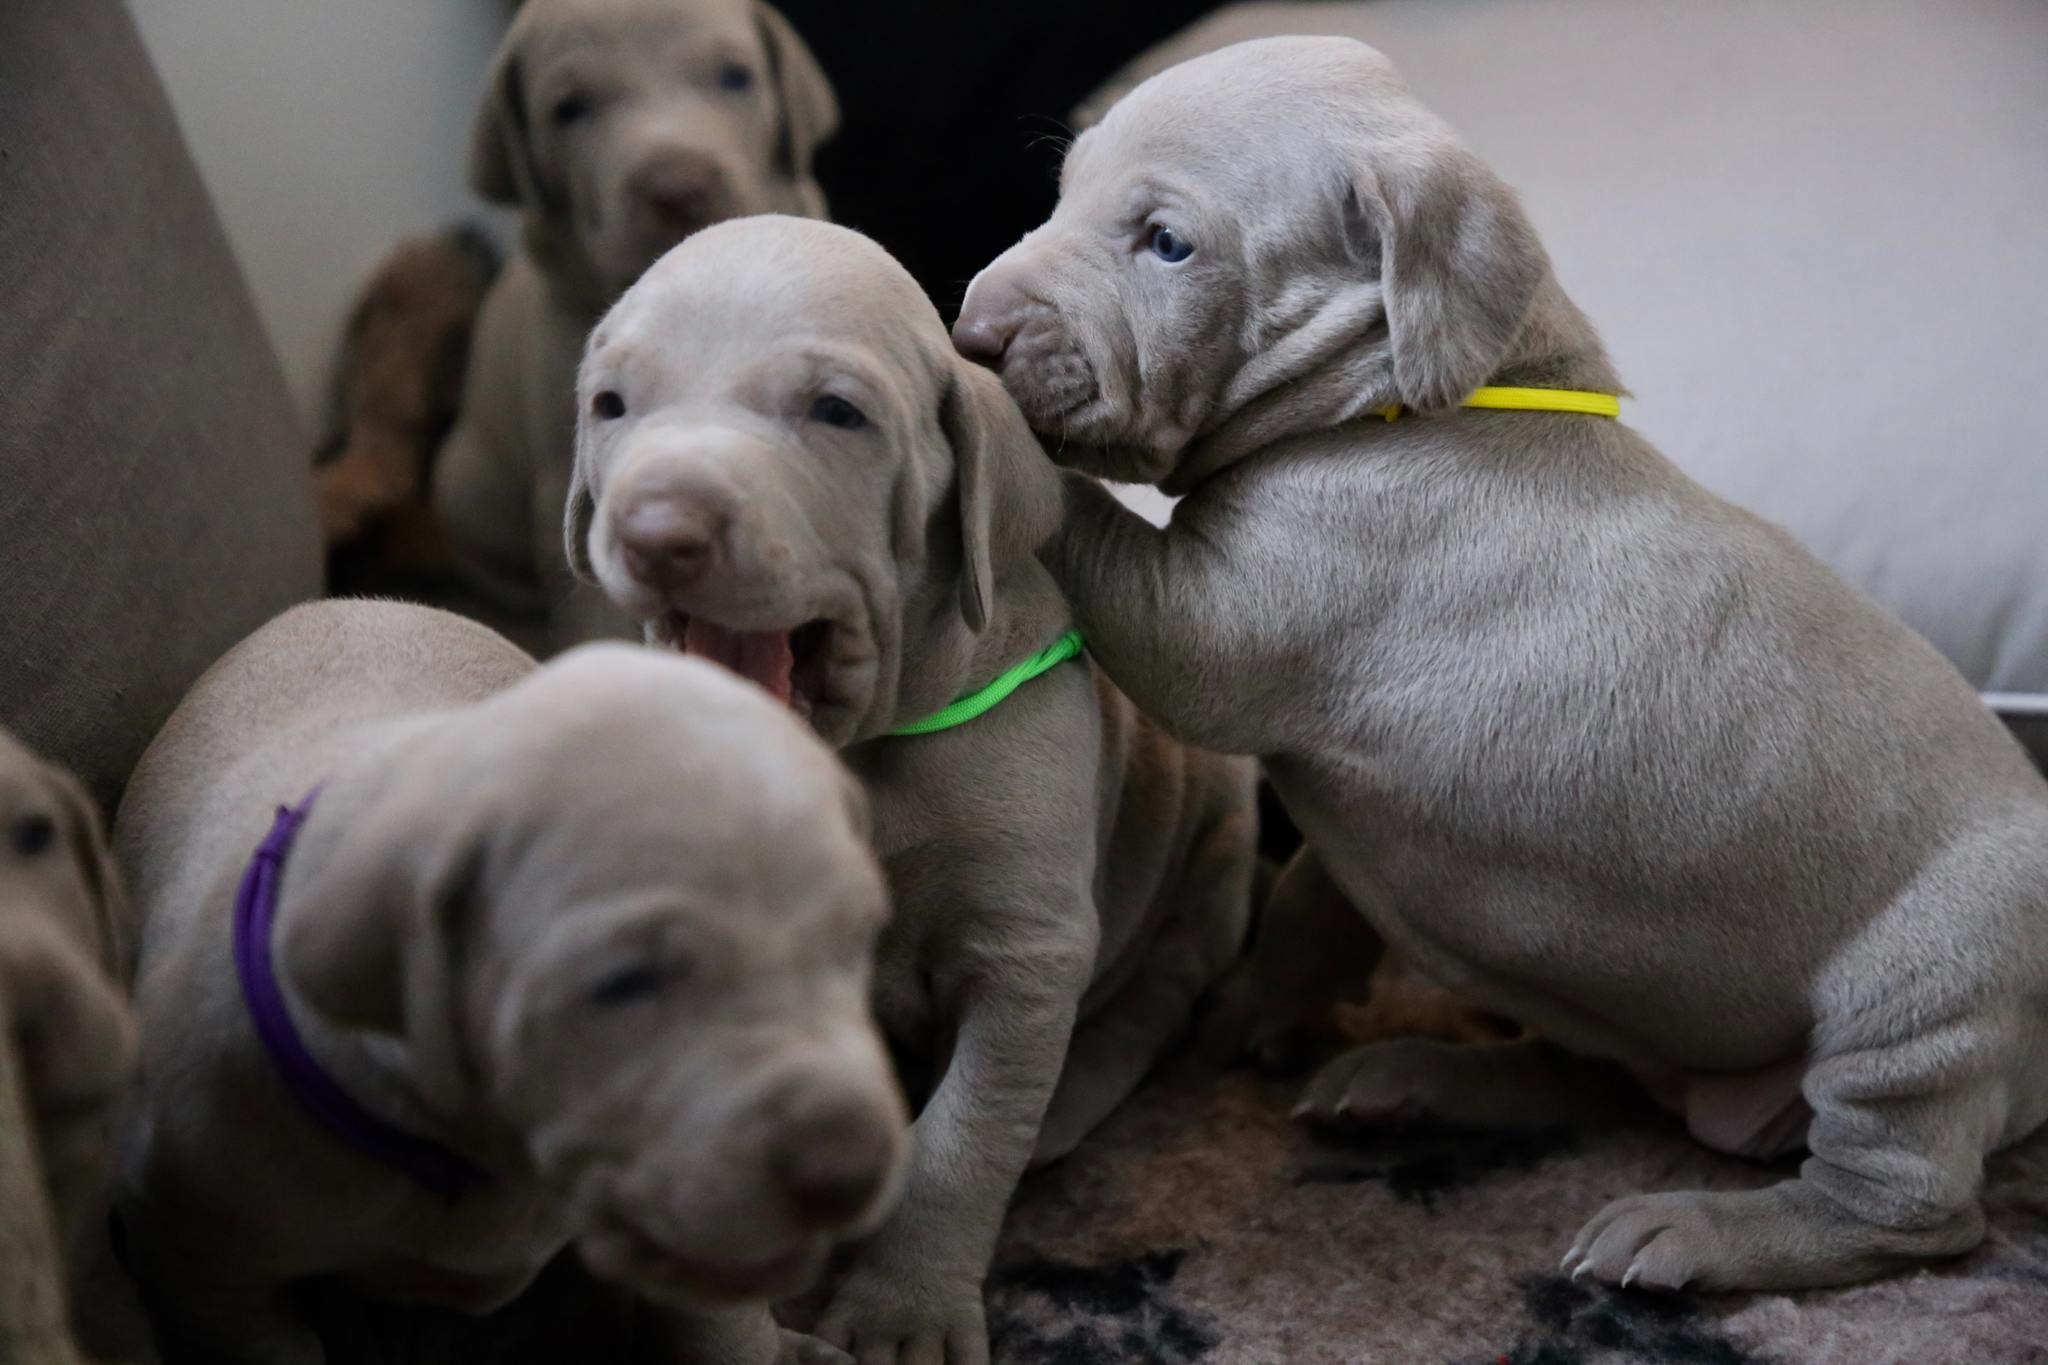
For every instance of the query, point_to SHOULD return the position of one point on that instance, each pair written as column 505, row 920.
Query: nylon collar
column 429, row 1164
column 1532, row 400
column 977, row 704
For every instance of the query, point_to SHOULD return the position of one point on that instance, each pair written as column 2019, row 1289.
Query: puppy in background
column 617, row 128
column 450, row 962
column 783, row 466
column 1588, row 744
column 70, row 1037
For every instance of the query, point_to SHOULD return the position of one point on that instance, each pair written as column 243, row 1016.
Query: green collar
column 977, row 704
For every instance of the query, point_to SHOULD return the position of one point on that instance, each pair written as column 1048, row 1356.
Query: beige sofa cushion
column 155, row 503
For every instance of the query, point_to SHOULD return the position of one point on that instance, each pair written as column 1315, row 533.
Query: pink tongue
column 760, row 656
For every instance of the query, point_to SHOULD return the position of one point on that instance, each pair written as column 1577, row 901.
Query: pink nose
column 670, row 540
column 990, row 319
column 683, row 189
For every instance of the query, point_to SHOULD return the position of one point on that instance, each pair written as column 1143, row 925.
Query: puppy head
column 1275, row 232
column 625, row 912
column 781, row 464
column 622, row 126
column 54, row 859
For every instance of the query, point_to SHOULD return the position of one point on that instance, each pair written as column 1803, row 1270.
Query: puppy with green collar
column 782, row 465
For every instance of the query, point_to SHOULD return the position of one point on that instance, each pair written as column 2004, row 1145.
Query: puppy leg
column 914, row 1294
column 1171, row 619
column 1114, row 1048
column 1897, row 1140
column 1500, row 1086
column 1314, row 949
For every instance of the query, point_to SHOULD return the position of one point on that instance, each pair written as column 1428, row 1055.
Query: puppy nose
column 834, row 1161
column 682, row 190
column 989, row 321
column 670, row 540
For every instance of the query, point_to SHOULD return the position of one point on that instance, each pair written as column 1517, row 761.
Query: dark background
column 955, row 114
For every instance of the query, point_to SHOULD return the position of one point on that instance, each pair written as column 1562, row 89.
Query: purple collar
column 430, row 1164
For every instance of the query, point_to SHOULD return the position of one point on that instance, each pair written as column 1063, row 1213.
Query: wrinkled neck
column 1336, row 367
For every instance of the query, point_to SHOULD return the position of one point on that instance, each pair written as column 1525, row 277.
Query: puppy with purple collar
column 451, row 962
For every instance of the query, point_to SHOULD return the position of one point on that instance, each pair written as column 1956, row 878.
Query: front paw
column 902, row 1317
column 799, row 1349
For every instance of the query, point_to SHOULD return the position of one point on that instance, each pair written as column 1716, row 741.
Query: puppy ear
column 85, row 834
column 377, row 908
column 810, row 111
column 994, row 456
column 502, row 168
column 1459, row 265
column 577, row 518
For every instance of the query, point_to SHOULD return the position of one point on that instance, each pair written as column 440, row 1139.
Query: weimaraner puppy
column 617, row 128
column 61, row 967
column 534, row 957
column 783, row 466
column 1586, row 742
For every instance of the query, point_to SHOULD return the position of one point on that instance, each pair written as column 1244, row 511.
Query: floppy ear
column 1459, row 265
column 502, row 168
column 577, row 517
column 85, row 835
column 810, row 111
column 371, row 934
column 995, row 456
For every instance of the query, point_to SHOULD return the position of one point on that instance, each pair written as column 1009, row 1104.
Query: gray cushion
column 1812, row 236
column 157, row 502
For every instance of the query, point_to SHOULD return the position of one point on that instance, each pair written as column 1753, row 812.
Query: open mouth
column 793, row 666
column 634, row 1254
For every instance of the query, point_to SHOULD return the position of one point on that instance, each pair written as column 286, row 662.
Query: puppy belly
column 1759, row 1115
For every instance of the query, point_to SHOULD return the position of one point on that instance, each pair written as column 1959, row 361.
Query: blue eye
column 1170, row 246
column 835, row 411
column 734, row 77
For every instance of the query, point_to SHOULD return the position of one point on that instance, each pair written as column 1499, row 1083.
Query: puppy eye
column 1170, row 246
column 571, row 109
column 32, row 835
column 734, row 77
column 629, row 984
column 608, row 405
column 835, row 411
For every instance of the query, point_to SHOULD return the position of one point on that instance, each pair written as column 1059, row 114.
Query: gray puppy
column 617, row 128
column 61, row 967
column 1583, row 740
column 783, row 465
column 584, row 950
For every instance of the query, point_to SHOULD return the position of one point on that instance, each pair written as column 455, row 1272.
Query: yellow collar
column 1534, row 400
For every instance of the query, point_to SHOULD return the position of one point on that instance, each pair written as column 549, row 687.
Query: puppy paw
column 885, row 1317
column 1386, row 1084
column 1787, row 1236
column 798, row 1349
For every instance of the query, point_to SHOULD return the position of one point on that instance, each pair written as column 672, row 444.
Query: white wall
column 326, row 130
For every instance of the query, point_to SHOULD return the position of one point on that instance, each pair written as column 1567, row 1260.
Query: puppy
column 70, row 1036
column 782, row 465
column 617, row 128
column 1585, row 742
column 572, row 955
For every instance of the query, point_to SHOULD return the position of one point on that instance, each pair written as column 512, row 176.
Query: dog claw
column 1580, row 1271
column 1629, row 1276
column 1571, row 1258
